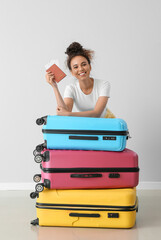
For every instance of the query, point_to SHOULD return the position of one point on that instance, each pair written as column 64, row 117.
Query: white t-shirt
column 85, row 102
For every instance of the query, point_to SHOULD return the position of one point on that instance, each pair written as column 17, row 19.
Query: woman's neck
column 87, row 85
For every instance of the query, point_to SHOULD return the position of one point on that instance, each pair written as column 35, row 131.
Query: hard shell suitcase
column 105, row 208
column 83, row 133
column 76, row 169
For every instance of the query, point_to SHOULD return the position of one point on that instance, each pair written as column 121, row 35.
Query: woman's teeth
column 81, row 74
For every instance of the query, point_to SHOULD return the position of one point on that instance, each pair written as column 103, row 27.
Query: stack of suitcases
column 88, row 176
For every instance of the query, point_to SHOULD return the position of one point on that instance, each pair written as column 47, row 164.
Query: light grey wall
column 126, row 37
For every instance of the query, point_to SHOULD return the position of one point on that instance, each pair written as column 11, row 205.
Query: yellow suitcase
column 105, row 208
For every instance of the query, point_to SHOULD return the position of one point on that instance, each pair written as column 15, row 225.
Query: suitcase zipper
column 85, row 132
column 85, row 207
column 80, row 170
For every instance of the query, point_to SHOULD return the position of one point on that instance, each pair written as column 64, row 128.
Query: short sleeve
column 69, row 92
column 104, row 89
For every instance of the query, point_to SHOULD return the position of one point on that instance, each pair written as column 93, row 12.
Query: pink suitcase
column 77, row 169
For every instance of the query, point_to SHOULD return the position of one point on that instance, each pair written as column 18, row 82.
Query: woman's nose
column 80, row 68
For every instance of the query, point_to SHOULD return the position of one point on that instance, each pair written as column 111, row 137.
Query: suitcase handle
column 94, row 215
column 86, row 175
column 83, row 138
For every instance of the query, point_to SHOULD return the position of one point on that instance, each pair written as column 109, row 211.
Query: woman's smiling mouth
column 81, row 74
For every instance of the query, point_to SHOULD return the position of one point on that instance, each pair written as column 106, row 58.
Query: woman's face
column 80, row 68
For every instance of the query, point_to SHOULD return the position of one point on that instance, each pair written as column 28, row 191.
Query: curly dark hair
column 76, row 49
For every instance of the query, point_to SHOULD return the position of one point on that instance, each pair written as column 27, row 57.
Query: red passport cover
column 58, row 73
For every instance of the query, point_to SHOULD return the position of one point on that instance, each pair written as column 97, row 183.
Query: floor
column 17, row 210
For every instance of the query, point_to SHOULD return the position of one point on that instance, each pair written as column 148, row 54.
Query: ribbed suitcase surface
column 105, row 208
column 73, row 169
column 83, row 133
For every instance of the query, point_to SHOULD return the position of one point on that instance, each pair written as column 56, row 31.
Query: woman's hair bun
column 74, row 47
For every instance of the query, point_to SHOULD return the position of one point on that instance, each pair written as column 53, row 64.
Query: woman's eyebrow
column 77, row 64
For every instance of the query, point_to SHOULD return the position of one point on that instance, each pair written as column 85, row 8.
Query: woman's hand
column 50, row 78
column 62, row 111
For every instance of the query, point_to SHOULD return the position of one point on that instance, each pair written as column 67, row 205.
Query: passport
column 58, row 73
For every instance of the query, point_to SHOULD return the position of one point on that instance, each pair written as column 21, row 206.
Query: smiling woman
column 90, row 95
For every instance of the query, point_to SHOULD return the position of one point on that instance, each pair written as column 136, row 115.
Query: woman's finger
column 51, row 79
column 50, row 75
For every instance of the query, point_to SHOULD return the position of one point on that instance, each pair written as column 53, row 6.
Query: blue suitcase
column 83, row 133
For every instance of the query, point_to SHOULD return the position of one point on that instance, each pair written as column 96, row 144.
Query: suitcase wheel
column 39, row 148
column 35, row 222
column 37, row 178
column 35, row 152
column 38, row 158
column 39, row 187
column 40, row 121
column 33, row 195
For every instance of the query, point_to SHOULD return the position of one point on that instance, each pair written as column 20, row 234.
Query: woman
column 89, row 95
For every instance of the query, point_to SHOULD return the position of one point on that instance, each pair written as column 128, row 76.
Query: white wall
column 126, row 37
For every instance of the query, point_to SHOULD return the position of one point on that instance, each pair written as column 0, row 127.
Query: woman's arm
column 96, row 112
column 51, row 80
column 59, row 99
column 69, row 103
